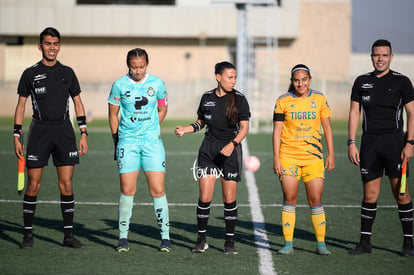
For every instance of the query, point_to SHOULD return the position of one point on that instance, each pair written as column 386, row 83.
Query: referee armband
column 278, row 117
column 196, row 126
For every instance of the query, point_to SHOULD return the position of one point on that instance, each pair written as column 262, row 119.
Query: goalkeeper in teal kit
column 141, row 100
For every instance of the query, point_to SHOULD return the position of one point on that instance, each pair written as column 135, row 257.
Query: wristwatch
column 234, row 143
column 410, row 141
column 84, row 132
column 351, row 141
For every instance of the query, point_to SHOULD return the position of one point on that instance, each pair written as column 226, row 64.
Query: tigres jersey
column 301, row 132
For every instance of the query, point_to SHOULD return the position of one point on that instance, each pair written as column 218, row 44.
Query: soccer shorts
column 381, row 153
column 146, row 152
column 51, row 138
column 212, row 162
column 315, row 169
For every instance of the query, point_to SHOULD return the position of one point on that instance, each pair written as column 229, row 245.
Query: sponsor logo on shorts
column 32, row 158
column 73, row 154
column 232, row 175
column 364, row 171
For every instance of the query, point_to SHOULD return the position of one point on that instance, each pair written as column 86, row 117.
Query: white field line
column 260, row 234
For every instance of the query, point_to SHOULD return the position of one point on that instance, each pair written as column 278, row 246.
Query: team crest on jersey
column 32, row 157
column 292, row 106
column 150, row 91
column 313, row 104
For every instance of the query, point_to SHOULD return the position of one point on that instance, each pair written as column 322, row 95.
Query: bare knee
column 33, row 188
column 65, row 187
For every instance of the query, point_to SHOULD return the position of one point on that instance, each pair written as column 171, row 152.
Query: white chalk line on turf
column 101, row 203
column 260, row 234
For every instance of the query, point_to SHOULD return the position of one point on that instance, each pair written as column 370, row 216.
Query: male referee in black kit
column 49, row 84
column 382, row 95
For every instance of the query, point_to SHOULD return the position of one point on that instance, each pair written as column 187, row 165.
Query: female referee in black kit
column 226, row 113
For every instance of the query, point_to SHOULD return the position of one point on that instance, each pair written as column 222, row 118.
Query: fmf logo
column 73, row 154
column 40, row 91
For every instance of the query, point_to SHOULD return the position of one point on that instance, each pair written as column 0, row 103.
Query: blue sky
column 389, row 19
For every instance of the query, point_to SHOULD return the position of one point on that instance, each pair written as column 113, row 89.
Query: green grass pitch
column 96, row 189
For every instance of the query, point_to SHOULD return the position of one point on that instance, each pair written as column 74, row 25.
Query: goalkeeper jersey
column 301, row 132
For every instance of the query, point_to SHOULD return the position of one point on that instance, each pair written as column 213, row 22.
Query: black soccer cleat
column 27, row 242
column 72, row 242
column 200, row 246
column 229, row 247
column 361, row 248
column 407, row 251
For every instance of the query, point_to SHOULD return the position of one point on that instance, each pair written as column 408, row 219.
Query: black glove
column 115, row 139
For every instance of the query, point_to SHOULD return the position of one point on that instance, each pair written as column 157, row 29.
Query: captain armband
column 81, row 121
column 17, row 130
column 196, row 126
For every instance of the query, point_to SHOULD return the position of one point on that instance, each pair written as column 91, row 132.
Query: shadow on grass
column 180, row 233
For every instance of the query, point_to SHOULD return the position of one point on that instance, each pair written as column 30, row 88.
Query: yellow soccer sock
column 288, row 221
column 319, row 222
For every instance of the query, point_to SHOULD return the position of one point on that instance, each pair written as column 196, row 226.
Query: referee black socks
column 29, row 208
column 67, row 206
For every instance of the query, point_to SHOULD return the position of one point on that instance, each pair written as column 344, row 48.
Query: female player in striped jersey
column 297, row 153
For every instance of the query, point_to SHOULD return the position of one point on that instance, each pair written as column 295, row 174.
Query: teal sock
column 161, row 214
column 124, row 214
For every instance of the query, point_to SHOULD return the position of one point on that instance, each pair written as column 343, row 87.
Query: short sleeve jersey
column 301, row 132
column 49, row 88
column 212, row 110
column 138, row 103
column 382, row 101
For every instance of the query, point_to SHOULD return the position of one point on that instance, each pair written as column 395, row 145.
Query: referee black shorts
column 381, row 153
column 51, row 138
column 212, row 162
